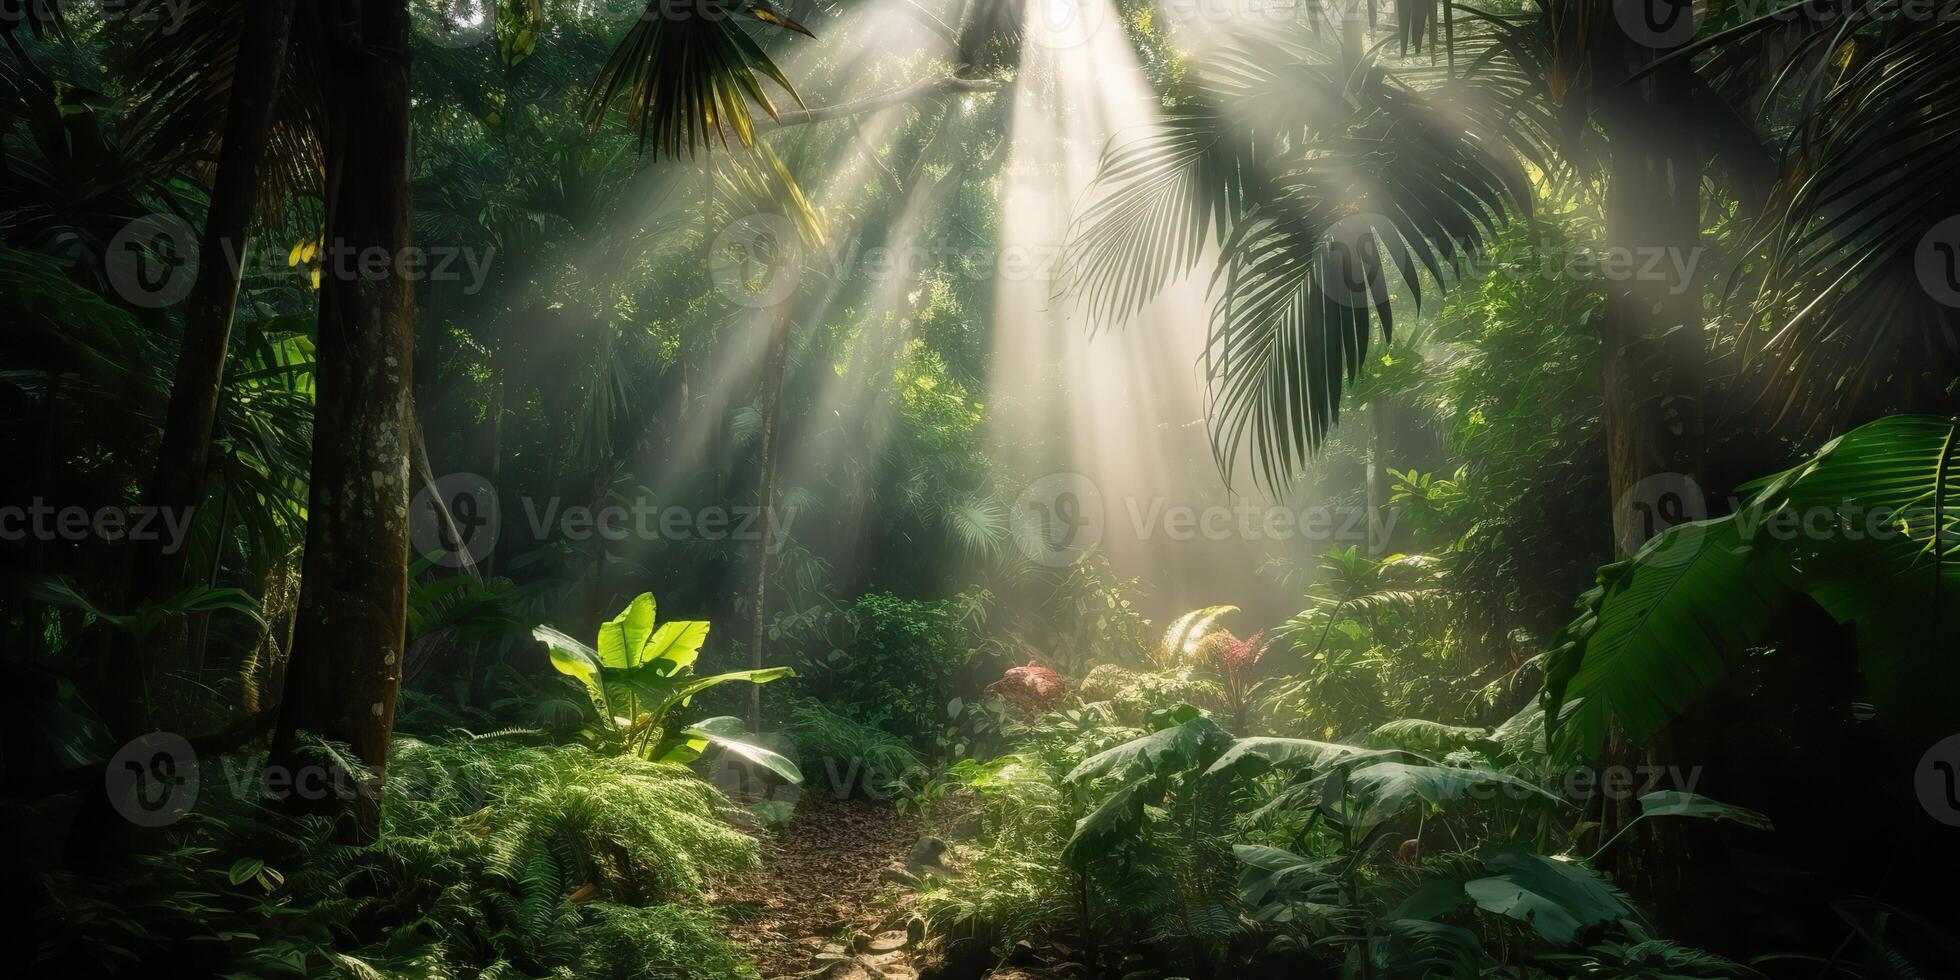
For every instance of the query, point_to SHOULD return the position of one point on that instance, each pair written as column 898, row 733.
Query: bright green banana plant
column 642, row 671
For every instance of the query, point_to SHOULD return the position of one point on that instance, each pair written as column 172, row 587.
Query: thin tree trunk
column 500, row 411
column 774, row 368
column 348, row 638
column 183, row 460
column 1351, row 41
column 201, row 629
column 1377, row 478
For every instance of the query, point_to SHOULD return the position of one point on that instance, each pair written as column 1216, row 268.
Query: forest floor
column 822, row 905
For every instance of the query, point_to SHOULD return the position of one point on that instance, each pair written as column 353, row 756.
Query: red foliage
column 1031, row 690
column 1236, row 656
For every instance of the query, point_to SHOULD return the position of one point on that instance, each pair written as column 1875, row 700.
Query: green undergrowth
column 852, row 756
column 1016, row 886
column 496, row 859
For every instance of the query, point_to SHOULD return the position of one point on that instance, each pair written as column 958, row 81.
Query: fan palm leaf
column 688, row 80
column 1328, row 185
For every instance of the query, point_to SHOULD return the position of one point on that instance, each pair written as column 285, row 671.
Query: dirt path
column 822, row 907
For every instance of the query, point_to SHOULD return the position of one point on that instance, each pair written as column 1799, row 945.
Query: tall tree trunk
column 347, row 643
column 775, row 367
column 177, row 483
column 1656, row 349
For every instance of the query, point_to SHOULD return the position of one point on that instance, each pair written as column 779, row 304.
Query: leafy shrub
column 1017, row 885
column 1105, row 682
column 1186, row 849
column 495, row 858
column 859, row 758
column 900, row 662
column 638, row 830
column 664, row 942
column 1144, row 692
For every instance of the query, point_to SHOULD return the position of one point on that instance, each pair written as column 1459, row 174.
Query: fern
column 483, row 842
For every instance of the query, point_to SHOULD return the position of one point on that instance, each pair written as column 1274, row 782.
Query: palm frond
column 688, row 80
column 1861, row 280
column 1329, row 186
column 1155, row 199
column 181, row 73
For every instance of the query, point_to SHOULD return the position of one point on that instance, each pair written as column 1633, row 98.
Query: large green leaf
column 1558, row 898
column 1658, row 631
column 676, row 645
column 1892, row 489
column 1434, row 897
column 1383, row 789
column 1890, row 564
column 729, row 734
column 623, row 637
column 1180, row 747
column 1427, row 736
column 1116, row 822
column 631, row 639
column 1673, row 803
column 659, row 693
column 1275, row 883
column 1253, row 756
column 1866, row 528
column 579, row 662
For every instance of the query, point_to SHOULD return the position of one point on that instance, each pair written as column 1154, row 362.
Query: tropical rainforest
column 1032, row 489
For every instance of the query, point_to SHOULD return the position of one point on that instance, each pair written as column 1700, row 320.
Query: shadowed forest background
column 959, row 488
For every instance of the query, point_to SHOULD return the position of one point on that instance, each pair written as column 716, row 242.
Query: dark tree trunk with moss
column 183, row 460
column 347, row 643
